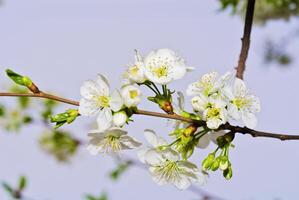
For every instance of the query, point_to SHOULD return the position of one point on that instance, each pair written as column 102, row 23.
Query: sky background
column 59, row 44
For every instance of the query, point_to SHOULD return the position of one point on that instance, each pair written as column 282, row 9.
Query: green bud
column 22, row 80
column 215, row 164
column 208, row 161
column 224, row 162
column 18, row 79
column 228, row 173
column 67, row 117
column 27, row 81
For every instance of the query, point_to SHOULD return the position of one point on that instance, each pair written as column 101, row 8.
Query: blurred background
column 60, row 44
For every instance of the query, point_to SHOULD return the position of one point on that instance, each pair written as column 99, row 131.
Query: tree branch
column 41, row 95
column 227, row 126
column 245, row 39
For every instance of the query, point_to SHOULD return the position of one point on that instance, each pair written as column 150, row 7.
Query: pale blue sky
column 62, row 43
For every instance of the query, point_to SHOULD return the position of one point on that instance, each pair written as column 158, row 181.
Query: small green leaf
column 121, row 169
column 22, row 183
column 8, row 188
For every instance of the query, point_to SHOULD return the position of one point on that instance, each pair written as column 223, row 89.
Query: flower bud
column 208, row 161
column 22, row 80
column 120, row 118
column 228, row 173
column 215, row 164
column 190, row 130
column 224, row 163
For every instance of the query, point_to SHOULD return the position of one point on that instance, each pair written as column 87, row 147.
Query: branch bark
column 245, row 39
column 235, row 129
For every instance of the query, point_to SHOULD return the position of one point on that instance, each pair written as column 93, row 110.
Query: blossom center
column 241, row 102
column 213, row 113
column 133, row 94
column 160, row 71
column 104, row 101
column 168, row 170
column 112, row 143
column 134, row 70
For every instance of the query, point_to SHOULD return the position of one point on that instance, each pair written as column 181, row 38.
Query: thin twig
column 236, row 129
column 245, row 39
column 41, row 95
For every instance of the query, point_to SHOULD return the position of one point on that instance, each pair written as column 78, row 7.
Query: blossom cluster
column 215, row 101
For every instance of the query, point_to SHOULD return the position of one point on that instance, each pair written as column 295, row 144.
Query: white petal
column 116, row 101
column 103, row 84
column 202, row 178
column 89, row 90
column 153, row 158
column 240, row 87
column 233, row 111
column 141, row 154
column 130, row 142
column 178, row 72
column 88, row 107
column 192, row 90
column 157, row 176
column 213, row 123
column 153, row 139
column 204, row 141
column 249, row 119
column 104, row 119
column 171, row 155
column 181, row 100
column 182, row 183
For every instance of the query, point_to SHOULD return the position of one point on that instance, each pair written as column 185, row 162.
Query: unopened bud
column 224, row 163
column 215, row 164
column 208, row 161
column 228, row 173
column 190, row 130
column 120, row 118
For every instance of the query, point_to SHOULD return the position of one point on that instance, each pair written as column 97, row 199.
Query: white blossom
column 165, row 165
column 163, row 66
column 209, row 84
column 97, row 99
column 135, row 72
column 212, row 109
column 131, row 95
column 113, row 140
column 242, row 105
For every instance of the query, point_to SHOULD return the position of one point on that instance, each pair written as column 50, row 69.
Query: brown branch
column 245, row 39
column 235, row 129
column 41, row 95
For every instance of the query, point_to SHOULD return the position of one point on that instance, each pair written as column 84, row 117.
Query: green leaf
column 22, row 183
column 121, row 169
column 8, row 188
column 2, row 110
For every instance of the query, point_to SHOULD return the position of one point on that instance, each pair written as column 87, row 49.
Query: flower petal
column 249, row 119
column 130, row 142
column 116, row 101
column 88, row 107
column 153, row 139
column 204, row 141
column 89, row 90
column 104, row 119
column 102, row 84
column 153, row 158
